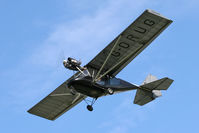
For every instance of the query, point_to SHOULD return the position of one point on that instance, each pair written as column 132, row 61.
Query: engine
column 72, row 64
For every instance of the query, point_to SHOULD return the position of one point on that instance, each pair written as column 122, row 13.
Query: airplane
column 98, row 77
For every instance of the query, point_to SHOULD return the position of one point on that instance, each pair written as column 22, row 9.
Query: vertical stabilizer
column 149, row 78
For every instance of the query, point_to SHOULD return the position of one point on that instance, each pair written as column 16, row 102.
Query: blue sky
column 34, row 35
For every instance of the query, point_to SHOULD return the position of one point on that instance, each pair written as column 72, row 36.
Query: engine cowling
column 72, row 64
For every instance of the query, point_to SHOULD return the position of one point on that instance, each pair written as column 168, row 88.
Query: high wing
column 132, row 41
column 56, row 103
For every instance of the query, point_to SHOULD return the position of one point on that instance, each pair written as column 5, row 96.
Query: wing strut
column 96, row 77
column 117, row 64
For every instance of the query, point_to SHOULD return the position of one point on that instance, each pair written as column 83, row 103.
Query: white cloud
column 126, row 116
column 119, row 129
column 84, row 37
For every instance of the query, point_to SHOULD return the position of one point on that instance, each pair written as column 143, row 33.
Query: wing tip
column 158, row 14
column 171, row 80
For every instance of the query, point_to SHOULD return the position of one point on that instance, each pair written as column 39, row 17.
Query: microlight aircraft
column 98, row 77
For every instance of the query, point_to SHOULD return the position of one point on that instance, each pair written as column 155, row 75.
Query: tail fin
column 149, row 78
column 150, row 89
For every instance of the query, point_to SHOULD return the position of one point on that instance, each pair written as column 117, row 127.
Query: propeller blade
column 60, row 58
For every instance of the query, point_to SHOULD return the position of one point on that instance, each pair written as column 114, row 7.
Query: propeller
column 60, row 59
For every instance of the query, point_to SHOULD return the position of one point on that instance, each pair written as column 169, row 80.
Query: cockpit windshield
column 114, row 81
column 101, row 82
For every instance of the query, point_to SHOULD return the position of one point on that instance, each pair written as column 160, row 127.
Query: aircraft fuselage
column 86, row 86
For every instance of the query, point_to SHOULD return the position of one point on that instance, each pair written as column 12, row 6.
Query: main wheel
column 110, row 91
column 89, row 107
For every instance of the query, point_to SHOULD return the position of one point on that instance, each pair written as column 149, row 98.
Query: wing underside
column 132, row 41
column 56, row 103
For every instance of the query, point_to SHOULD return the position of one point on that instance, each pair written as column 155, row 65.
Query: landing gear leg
column 90, row 106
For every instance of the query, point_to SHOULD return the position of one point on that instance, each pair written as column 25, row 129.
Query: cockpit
column 112, row 82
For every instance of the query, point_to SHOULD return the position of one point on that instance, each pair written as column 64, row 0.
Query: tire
column 90, row 108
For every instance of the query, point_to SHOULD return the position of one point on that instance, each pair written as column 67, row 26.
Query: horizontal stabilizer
column 161, row 84
column 150, row 89
column 142, row 97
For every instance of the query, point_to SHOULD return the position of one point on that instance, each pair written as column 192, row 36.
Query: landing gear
column 90, row 108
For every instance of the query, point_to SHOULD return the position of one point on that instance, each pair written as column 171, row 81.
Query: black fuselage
column 86, row 86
